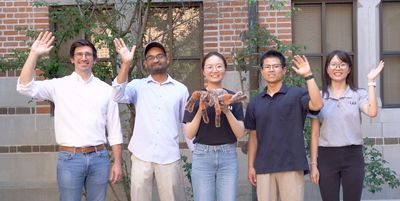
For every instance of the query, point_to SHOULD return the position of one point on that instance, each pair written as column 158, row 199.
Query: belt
column 84, row 150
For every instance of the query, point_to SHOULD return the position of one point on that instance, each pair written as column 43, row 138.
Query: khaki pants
column 169, row 179
column 283, row 186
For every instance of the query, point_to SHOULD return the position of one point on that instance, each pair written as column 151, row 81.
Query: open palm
column 301, row 65
column 123, row 51
column 376, row 71
column 43, row 44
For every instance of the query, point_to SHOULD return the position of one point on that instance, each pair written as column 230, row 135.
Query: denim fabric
column 77, row 171
column 215, row 172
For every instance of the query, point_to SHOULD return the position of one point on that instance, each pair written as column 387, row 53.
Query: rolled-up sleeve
column 113, row 124
column 40, row 90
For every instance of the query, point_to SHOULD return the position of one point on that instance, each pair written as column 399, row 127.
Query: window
column 323, row 26
column 179, row 28
column 390, row 50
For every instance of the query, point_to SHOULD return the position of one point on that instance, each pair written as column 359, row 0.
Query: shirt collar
column 149, row 79
column 282, row 90
column 348, row 93
column 79, row 78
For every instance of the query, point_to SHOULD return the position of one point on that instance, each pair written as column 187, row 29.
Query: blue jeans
column 215, row 172
column 76, row 171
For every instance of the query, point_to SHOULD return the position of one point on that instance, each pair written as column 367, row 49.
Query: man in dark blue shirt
column 276, row 156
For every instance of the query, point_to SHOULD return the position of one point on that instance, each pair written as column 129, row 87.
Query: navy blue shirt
column 209, row 134
column 279, row 123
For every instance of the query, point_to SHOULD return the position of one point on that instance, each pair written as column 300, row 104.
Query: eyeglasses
column 271, row 66
column 217, row 67
column 340, row 66
column 81, row 54
column 158, row 56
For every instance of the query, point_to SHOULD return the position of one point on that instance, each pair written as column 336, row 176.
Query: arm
column 371, row 109
column 192, row 127
column 303, row 69
column 116, row 173
column 126, row 59
column 113, row 125
column 251, row 154
column 314, row 176
column 40, row 47
column 236, row 125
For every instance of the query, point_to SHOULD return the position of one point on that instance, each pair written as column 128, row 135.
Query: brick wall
column 15, row 15
column 225, row 20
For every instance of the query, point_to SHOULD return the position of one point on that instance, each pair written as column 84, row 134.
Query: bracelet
column 309, row 77
column 372, row 84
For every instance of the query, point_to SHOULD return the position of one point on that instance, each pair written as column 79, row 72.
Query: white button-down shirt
column 83, row 109
column 159, row 114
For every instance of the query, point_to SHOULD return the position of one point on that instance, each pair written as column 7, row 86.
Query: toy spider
column 215, row 98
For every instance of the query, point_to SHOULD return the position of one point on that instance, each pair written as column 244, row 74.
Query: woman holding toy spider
column 214, row 117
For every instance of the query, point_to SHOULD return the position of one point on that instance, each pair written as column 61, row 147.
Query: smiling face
column 337, row 69
column 272, row 70
column 83, row 59
column 214, row 69
column 156, row 62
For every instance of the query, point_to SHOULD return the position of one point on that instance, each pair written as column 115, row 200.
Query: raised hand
column 301, row 66
column 42, row 45
column 375, row 72
column 123, row 51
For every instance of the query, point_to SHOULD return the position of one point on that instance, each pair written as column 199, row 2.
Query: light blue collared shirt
column 159, row 113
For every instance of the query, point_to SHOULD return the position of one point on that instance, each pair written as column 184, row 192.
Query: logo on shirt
column 230, row 107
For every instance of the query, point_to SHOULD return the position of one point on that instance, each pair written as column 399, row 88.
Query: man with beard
column 159, row 101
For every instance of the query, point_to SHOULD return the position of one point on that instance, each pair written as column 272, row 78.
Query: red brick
column 225, row 9
column 226, row 21
column 210, row 45
column 26, row 4
column 210, row 21
column 10, row 33
column 41, row 15
column 10, row 44
column 10, row 15
column 43, row 110
column 8, row 21
column 11, row 38
column 10, row 10
column 21, row 15
column 41, row 20
column 21, row 9
column 21, row 21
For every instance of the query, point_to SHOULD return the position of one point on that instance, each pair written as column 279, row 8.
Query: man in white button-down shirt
column 159, row 101
column 84, row 110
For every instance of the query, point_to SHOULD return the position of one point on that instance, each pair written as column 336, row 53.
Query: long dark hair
column 210, row 54
column 327, row 81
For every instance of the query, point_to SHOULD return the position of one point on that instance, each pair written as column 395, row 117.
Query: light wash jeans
column 215, row 172
column 76, row 171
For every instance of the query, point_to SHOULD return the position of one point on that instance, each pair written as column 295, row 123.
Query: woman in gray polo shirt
column 336, row 138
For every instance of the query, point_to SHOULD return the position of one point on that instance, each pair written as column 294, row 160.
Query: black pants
column 341, row 165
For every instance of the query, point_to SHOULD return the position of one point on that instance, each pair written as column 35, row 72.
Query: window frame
column 323, row 54
column 384, row 54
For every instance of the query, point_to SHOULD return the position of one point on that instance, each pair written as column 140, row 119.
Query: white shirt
column 159, row 114
column 83, row 109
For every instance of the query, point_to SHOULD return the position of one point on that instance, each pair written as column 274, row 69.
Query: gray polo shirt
column 340, row 119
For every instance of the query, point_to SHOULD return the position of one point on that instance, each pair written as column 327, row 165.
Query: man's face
column 156, row 62
column 83, row 59
column 272, row 70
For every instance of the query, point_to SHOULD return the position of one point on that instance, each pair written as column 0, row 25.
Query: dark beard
column 162, row 70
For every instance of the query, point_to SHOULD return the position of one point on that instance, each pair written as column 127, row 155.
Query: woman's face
column 338, row 70
column 214, row 69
